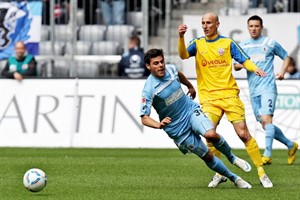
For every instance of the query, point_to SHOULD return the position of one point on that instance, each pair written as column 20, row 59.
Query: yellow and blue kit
column 214, row 65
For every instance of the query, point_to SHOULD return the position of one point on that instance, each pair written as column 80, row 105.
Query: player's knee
column 244, row 135
column 212, row 136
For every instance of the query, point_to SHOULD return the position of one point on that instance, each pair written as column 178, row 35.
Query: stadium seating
column 45, row 48
column 105, row 48
column 119, row 33
column 87, row 69
column 61, row 68
column 135, row 19
column 92, row 33
column 64, row 33
column 45, row 33
column 82, row 48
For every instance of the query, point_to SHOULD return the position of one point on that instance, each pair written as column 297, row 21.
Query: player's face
column 210, row 25
column 157, row 66
column 255, row 28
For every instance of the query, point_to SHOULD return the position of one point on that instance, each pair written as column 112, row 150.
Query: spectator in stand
column 21, row 65
column 113, row 11
column 132, row 63
column 292, row 70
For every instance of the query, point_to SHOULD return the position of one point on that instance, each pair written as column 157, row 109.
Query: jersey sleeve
column 237, row 53
column 192, row 48
column 146, row 101
column 280, row 51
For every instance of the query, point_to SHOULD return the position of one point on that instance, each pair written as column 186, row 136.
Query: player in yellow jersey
column 217, row 88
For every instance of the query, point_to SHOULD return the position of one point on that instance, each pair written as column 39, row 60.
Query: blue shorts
column 264, row 104
column 200, row 124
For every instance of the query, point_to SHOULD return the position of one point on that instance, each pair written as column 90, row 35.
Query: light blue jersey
column 262, row 52
column 168, row 99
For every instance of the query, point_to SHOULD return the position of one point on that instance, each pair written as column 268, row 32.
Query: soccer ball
column 35, row 180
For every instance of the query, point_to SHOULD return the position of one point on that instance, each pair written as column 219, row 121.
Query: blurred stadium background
column 78, row 99
column 75, row 42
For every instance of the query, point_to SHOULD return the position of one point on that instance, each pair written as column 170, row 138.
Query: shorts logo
column 221, row 51
column 143, row 101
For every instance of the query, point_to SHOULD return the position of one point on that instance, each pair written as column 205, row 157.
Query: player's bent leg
column 223, row 147
column 253, row 152
column 281, row 138
column 292, row 146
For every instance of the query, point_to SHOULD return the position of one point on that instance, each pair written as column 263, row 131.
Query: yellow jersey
column 214, row 65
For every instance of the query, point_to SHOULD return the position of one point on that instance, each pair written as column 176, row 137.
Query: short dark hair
column 256, row 17
column 152, row 53
column 136, row 40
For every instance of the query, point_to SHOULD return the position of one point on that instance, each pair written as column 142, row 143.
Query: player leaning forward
column 181, row 117
column 218, row 90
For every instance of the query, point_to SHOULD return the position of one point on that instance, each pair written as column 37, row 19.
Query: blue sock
column 270, row 133
column 281, row 138
column 218, row 166
column 224, row 148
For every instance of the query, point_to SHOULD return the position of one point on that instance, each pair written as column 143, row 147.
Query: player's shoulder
column 196, row 39
column 270, row 42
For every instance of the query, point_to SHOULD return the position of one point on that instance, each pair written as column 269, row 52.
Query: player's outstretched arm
column 183, row 53
column 250, row 66
column 187, row 83
column 148, row 121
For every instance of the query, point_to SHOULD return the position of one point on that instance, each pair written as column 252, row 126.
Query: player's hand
column 18, row 76
column 164, row 122
column 279, row 76
column 260, row 72
column 191, row 93
column 182, row 29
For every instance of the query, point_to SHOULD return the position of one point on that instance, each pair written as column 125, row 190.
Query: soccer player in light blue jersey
column 263, row 91
column 181, row 117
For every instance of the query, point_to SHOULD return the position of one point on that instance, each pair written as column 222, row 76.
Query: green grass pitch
column 136, row 174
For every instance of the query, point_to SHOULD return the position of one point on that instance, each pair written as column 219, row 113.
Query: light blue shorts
column 264, row 104
column 200, row 124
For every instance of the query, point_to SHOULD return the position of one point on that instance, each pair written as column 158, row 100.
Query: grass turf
column 136, row 174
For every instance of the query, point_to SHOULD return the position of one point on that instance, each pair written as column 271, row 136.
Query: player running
column 181, row 117
column 263, row 91
column 218, row 90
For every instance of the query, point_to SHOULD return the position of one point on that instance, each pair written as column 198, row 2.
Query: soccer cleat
column 216, row 180
column 292, row 154
column 266, row 160
column 240, row 183
column 242, row 164
column 265, row 181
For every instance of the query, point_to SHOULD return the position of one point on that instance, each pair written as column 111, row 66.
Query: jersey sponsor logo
column 174, row 97
column 214, row 63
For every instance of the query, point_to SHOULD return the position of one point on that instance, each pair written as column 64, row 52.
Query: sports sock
column 270, row 133
column 253, row 152
column 281, row 138
column 213, row 149
column 223, row 147
column 218, row 166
